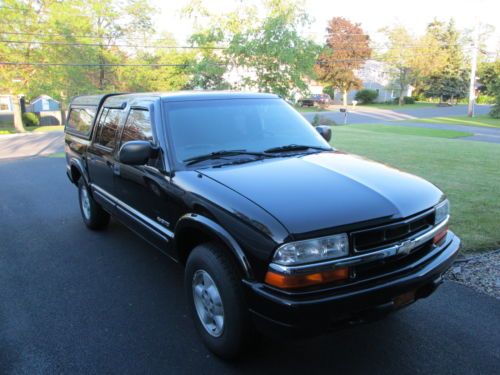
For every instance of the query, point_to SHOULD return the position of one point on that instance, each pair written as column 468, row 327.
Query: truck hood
column 326, row 190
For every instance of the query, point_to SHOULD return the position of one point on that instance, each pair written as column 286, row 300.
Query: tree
column 277, row 59
column 399, row 57
column 448, row 87
column 55, row 32
column 450, row 81
column 495, row 110
column 448, row 38
column 208, row 68
column 488, row 73
column 347, row 48
column 428, row 59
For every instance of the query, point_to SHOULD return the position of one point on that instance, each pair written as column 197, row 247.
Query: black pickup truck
column 276, row 229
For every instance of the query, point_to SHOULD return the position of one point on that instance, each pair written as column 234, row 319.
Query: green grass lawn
column 57, row 155
column 481, row 120
column 395, row 106
column 466, row 171
column 409, row 130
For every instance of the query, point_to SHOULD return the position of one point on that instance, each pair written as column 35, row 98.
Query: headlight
column 318, row 249
column 442, row 211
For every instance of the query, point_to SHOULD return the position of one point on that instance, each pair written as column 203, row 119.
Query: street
column 369, row 115
column 75, row 301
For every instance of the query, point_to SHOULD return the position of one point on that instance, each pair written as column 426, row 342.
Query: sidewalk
column 31, row 144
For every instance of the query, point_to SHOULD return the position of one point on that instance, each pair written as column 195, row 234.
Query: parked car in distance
column 315, row 99
column 232, row 186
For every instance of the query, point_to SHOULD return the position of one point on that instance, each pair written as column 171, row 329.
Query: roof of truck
column 87, row 100
column 172, row 96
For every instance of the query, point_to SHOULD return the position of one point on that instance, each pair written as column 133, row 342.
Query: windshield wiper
column 295, row 147
column 220, row 154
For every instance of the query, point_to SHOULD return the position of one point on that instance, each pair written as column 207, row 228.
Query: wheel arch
column 77, row 170
column 193, row 229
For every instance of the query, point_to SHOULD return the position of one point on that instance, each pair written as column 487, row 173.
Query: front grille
column 387, row 266
column 373, row 238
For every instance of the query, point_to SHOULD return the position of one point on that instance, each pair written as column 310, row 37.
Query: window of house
column 5, row 104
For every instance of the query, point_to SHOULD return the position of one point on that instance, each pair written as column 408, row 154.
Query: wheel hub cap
column 208, row 303
column 85, row 203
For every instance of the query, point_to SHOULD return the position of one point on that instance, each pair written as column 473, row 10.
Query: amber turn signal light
column 299, row 281
column 439, row 237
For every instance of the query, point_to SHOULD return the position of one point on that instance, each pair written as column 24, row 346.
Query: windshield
column 255, row 125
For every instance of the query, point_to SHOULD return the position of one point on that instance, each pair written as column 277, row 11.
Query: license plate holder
column 404, row 299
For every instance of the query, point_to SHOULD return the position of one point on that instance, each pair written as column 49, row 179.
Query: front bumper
column 305, row 313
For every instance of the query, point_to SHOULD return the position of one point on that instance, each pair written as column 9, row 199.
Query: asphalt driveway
column 73, row 301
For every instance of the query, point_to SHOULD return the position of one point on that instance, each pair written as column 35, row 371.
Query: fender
column 77, row 163
column 209, row 226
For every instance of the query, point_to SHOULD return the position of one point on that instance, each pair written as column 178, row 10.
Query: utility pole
column 473, row 67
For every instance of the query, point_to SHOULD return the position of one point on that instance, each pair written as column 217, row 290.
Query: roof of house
column 41, row 97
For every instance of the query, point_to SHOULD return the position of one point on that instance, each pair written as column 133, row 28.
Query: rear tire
column 215, row 297
column 93, row 214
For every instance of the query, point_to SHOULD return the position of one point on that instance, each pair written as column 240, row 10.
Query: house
column 47, row 109
column 6, row 110
column 374, row 75
column 44, row 103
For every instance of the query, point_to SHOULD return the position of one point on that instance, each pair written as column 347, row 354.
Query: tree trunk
column 344, row 98
column 402, row 85
column 101, row 68
column 17, row 118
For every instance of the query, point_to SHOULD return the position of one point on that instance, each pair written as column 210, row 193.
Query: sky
column 372, row 14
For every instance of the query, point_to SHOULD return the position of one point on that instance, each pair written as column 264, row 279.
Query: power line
column 45, row 11
column 13, row 63
column 85, row 36
column 90, row 36
column 57, row 43
column 94, row 65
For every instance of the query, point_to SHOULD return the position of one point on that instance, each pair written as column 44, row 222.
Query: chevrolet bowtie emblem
column 405, row 247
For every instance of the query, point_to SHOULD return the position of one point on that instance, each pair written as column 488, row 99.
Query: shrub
column 30, row 119
column 485, row 99
column 406, row 100
column 366, row 96
column 495, row 110
column 322, row 120
column 330, row 91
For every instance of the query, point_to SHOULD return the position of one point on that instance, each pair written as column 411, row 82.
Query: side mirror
column 325, row 131
column 136, row 152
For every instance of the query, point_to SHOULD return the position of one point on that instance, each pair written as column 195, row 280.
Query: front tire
column 215, row 297
column 93, row 214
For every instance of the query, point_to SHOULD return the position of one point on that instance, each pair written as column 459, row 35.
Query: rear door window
column 108, row 124
column 80, row 120
column 138, row 126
